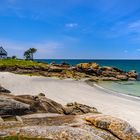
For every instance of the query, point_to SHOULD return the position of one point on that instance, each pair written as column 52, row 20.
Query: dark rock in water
column 138, row 77
column 3, row 90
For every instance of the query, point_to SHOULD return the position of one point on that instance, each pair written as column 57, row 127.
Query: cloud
column 134, row 26
column 71, row 25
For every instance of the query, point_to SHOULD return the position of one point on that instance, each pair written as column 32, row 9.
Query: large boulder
column 83, row 66
column 122, row 77
column 116, row 126
column 9, row 106
column 132, row 74
column 94, row 66
column 70, row 127
column 110, row 73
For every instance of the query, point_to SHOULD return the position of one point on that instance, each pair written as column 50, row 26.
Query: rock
column 40, row 104
column 94, row 66
column 41, row 94
column 106, row 68
column 132, row 74
column 78, row 109
column 12, row 107
column 118, row 70
column 122, row 77
column 110, row 73
column 109, row 79
column 1, row 120
column 55, row 69
column 70, row 127
column 4, row 90
column 116, row 126
column 65, row 64
column 131, row 79
column 83, row 66
column 26, row 104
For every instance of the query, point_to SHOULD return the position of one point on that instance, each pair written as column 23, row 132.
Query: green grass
column 23, row 64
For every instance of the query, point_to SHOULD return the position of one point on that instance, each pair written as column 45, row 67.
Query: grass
column 23, row 64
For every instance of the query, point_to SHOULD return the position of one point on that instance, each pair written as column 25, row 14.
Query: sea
column 131, row 88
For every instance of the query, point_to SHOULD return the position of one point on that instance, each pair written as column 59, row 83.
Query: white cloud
column 71, row 25
column 134, row 26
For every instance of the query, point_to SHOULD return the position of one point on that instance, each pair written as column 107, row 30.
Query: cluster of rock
column 32, row 117
column 11, row 105
column 105, row 72
column 82, row 70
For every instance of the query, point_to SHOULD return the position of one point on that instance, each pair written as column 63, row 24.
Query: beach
column 65, row 91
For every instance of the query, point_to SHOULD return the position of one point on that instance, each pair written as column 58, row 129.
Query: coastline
column 65, row 91
column 109, row 91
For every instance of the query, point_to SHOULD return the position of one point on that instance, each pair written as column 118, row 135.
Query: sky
column 71, row 29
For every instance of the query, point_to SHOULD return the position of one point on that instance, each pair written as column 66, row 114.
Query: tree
column 14, row 57
column 29, row 54
column 32, row 51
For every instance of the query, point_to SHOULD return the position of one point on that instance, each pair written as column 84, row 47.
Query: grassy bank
column 23, row 64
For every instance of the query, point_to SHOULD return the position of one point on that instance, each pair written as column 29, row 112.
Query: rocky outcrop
column 105, row 72
column 27, row 104
column 26, row 116
column 62, row 127
column 117, row 127
column 80, row 71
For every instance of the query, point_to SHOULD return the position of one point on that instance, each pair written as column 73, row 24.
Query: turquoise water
column 122, row 64
column 130, row 87
column 126, row 87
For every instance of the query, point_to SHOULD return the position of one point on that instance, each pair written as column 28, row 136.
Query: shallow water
column 126, row 87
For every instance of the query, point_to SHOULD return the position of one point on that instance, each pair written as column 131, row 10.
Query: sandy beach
column 64, row 91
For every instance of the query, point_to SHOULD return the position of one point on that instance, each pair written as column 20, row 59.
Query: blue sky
column 100, row 29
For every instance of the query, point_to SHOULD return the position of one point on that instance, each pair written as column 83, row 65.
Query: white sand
column 64, row 91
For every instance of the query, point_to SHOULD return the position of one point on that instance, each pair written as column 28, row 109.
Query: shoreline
column 66, row 91
column 109, row 91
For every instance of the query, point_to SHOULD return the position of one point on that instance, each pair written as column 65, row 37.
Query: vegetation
column 14, row 57
column 23, row 64
column 29, row 54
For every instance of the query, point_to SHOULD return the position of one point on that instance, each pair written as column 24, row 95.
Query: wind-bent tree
column 29, row 54
column 32, row 51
